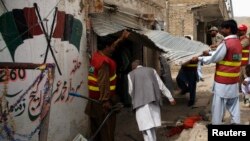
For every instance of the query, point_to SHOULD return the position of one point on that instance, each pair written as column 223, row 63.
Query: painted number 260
column 11, row 74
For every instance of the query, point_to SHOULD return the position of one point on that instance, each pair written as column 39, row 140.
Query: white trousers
column 149, row 135
column 219, row 107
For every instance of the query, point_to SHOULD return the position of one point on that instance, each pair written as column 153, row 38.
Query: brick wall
column 181, row 20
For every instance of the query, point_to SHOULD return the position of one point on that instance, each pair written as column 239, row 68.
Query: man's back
column 142, row 73
column 145, row 86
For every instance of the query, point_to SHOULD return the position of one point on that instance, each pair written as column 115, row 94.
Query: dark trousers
column 107, row 131
column 186, row 80
column 97, row 115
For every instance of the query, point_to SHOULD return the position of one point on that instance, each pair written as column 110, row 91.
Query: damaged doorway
column 136, row 46
column 125, row 53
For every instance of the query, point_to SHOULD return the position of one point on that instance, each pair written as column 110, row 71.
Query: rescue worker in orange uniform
column 102, row 84
column 242, row 30
column 227, row 57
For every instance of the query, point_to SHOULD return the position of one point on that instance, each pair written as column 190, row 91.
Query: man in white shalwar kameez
column 145, row 88
column 227, row 57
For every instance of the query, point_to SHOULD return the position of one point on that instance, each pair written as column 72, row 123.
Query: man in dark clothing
column 187, row 79
column 102, row 84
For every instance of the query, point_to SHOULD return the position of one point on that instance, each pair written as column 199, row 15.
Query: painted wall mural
column 21, row 24
column 27, row 102
column 27, row 35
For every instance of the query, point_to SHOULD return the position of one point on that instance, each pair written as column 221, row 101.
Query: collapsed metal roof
column 108, row 23
column 177, row 50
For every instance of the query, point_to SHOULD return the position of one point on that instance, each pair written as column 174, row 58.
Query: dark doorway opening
column 125, row 53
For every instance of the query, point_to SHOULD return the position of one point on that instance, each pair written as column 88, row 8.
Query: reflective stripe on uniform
column 94, row 79
column 244, row 59
column 112, row 88
column 227, row 74
column 245, row 51
column 112, row 78
column 191, row 65
column 93, row 88
column 229, row 63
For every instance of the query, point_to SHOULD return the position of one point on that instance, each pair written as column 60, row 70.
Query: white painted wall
column 67, row 117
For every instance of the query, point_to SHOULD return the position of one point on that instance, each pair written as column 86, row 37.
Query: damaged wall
column 152, row 9
column 182, row 20
column 22, row 40
column 192, row 17
column 146, row 6
column 149, row 11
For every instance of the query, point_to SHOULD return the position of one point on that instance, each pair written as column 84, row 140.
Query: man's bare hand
column 206, row 53
column 194, row 59
column 106, row 105
column 173, row 102
column 244, row 83
column 125, row 34
column 213, row 46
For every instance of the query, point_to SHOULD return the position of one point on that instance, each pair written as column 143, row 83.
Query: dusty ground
column 127, row 129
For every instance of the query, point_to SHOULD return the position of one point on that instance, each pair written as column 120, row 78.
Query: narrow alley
column 127, row 129
column 68, row 65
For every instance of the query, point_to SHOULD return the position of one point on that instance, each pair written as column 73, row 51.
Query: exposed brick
column 181, row 21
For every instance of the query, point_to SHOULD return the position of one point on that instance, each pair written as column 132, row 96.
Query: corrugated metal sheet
column 109, row 23
column 103, row 25
column 178, row 49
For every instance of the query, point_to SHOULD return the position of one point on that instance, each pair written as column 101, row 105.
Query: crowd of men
column 230, row 52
